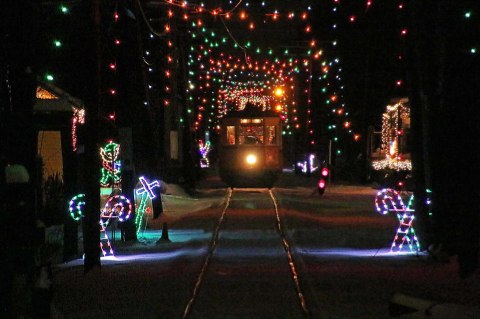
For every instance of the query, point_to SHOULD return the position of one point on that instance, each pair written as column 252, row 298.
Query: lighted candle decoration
column 111, row 173
column 142, row 211
column 389, row 200
column 144, row 208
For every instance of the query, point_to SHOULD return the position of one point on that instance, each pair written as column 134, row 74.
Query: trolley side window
column 250, row 134
column 271, row 133
column 231, row 135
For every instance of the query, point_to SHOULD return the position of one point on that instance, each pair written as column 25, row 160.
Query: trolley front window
column 250, row 134
column 231, row 135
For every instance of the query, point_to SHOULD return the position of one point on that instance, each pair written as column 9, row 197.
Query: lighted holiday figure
column 110, row 165
column 389, row 200
column 143, row 210
column 76, row 206
column 117, row 206
column 204, row 150
column 147, row 187
column 147, row 193
column 105, row 245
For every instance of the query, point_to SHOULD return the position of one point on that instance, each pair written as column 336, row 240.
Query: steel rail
column 301, row 296
column 211, row 249
column 213, row 243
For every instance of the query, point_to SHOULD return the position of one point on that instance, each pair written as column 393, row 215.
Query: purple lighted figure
column 147, row 190
column 389, row 200
column 204, row 150
column 147, row 187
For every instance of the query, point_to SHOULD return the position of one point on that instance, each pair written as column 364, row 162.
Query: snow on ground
column 341, row 243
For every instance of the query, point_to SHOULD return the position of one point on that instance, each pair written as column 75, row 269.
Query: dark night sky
column 368, row 48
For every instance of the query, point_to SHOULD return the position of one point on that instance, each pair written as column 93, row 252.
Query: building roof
column 51, row 98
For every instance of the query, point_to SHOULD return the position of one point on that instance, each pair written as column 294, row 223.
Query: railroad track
column 296, row 289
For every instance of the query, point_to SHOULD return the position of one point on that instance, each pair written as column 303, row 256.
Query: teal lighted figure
column 143, row 212
column 111, row 166
column 76, row 207
column 144, row 209
column 389, row 200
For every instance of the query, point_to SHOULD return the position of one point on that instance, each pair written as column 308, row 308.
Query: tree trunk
column 91, row 224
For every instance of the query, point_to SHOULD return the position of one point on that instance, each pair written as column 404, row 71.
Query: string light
column 212, row 71
column 394, row 121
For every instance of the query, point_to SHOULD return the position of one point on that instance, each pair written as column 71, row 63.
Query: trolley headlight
column 251, row 159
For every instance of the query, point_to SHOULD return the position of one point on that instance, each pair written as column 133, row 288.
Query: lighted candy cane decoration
column 117, row 206
column 104, row 240
column 76, row 206
column 146, row 191
column 110, row 165
column 389, row 200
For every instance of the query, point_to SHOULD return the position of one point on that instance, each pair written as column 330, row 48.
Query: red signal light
column 321, row 183
column 325, row 172
column 321, row 186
